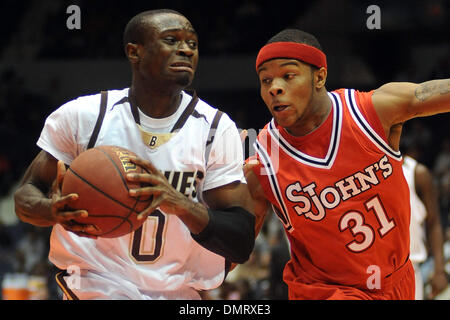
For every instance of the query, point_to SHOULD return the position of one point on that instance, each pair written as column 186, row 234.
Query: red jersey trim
column 366, row 128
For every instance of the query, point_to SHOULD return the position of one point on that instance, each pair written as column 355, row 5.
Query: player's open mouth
column 280, row 108
column 181, row 66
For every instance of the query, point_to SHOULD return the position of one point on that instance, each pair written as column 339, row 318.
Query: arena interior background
column 44, row 64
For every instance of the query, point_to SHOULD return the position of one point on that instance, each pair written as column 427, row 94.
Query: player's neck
column 155, row 103
column 317, row 112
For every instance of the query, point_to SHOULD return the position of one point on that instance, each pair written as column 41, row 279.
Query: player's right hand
column 60, row 207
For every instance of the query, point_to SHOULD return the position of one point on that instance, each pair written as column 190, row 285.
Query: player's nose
column 276, row 88
column 185, row 50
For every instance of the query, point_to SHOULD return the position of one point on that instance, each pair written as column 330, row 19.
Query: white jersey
column 418, row 251
column 160, row 260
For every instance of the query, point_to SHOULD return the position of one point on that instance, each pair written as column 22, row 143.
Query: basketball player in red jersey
column 329, row 165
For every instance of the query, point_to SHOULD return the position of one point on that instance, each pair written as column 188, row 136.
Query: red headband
column 293, row 50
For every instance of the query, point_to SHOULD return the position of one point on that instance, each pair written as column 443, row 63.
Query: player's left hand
column 60, row 207
column 166, row 197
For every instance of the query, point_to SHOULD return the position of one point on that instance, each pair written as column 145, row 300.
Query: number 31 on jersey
column 355, row 222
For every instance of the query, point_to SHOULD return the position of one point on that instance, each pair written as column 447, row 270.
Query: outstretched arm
column 397, row 102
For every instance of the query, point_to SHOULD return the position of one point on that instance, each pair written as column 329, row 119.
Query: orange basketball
column 98, row 176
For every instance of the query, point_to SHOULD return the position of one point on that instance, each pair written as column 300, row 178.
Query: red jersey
column 340, row 194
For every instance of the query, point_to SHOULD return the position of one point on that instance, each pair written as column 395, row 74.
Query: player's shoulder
column 409, row 161
column 340, row 91
column 419, row 169
column 90, row 101
column 208, row 112
column 358, row 94
column 422, row 170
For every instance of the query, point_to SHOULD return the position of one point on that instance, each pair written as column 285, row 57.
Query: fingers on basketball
column 98, row 176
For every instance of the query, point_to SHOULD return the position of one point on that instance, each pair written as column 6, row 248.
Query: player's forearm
column 194, row 215
column 230, row 233
column 432, row 97
column 32, row 206
column 397, row 102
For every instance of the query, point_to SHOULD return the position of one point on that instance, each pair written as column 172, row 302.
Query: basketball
column 98, row 176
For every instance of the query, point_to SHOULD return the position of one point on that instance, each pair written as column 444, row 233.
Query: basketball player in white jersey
column 425, row 226
column 200, row 220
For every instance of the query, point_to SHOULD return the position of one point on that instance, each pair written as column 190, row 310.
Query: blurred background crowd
column 44, row 64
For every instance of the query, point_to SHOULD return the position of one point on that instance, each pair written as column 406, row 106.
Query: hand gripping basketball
column 60, row 204
column 98, row 177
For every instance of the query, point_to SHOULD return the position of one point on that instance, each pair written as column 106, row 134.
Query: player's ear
column 132, row 52
column 320, row 77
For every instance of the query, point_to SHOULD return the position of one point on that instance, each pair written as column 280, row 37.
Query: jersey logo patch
column 154, row 140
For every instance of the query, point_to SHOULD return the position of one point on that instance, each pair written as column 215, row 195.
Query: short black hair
column 136, row 27
column 295, row 35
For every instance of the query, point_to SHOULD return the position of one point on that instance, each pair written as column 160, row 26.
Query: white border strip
column 274, row 185
column 334, row 140
column 363, row 124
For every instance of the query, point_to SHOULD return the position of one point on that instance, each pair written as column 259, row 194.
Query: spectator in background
column 445, row 197
column 32, row 250
column 251, row 278
column 261, row 277
column 279, row 256
column 441, row 171
column 425, row 226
